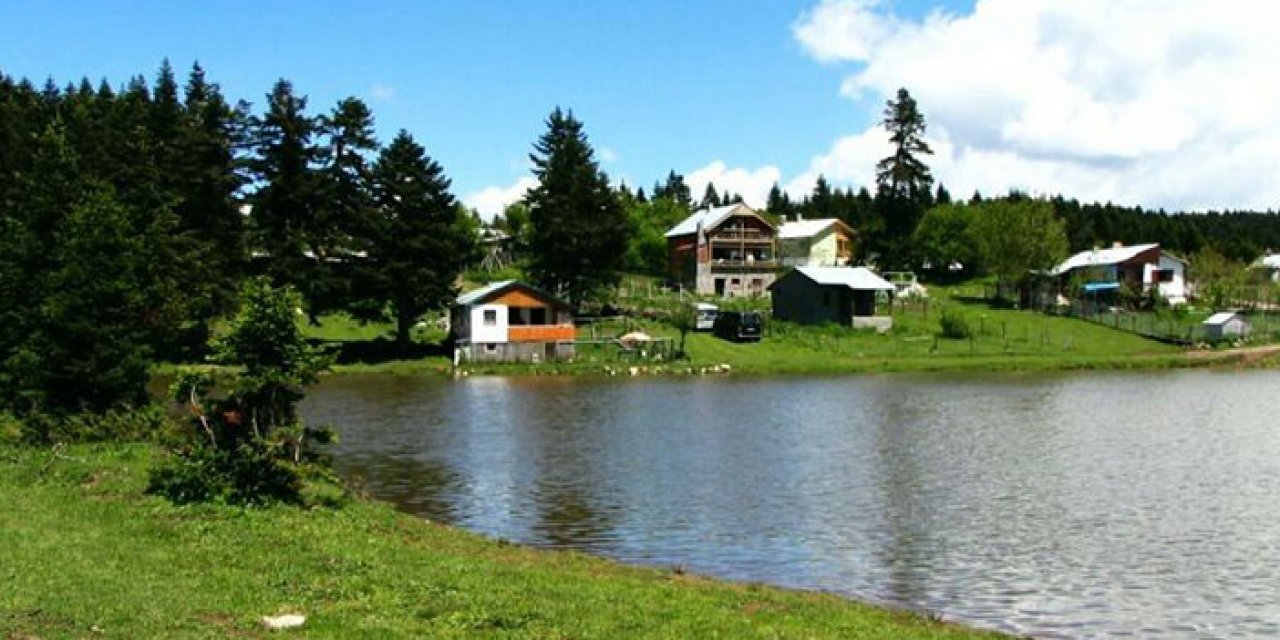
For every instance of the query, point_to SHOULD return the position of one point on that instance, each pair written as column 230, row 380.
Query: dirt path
column 1242, row 355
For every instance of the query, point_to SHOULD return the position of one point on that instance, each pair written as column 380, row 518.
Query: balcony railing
column 742, row 265
column 739, row 235
column 541, row 333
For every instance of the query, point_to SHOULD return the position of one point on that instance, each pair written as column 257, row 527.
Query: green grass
column 87, row 554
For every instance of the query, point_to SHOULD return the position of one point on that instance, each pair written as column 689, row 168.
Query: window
column 1163, row 275
column 490, row 317
column 515, row 317
column 538, row 316
column 490, row 348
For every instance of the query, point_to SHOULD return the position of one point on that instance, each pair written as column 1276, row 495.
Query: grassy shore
column 87, row 554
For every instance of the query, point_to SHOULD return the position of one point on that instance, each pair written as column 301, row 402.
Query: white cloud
column 490, row 201
column 752, row 185
column 607, row 155
column 1165, row 103
column 382, row 92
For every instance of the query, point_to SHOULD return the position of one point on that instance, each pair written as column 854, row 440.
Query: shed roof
column 806, row 228
column 1102, row 257
column 706, row 218
column 856, row 278
column 1222, row 318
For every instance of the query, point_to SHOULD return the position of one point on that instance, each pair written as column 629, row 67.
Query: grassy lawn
column 1003, row 340
column 86, row 554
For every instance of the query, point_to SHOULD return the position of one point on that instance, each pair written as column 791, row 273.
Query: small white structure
column 1269, row 265
column 1225, row 325
column 706, row 316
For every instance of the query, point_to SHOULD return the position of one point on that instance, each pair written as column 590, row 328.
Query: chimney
column 1117, row 245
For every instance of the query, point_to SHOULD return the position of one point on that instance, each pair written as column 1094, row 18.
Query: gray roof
column 1102, row 257
column 1222, row 318
column 472, row 296
column 856, row 278
column 706, row 218
column 805, row 228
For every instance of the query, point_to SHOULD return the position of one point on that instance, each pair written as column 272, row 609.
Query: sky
column 1161, row 103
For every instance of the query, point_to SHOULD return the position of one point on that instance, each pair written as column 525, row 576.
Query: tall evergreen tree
column 710, row 197
column 291, row 192
column 419, row 239
column 904, row 181
column 579, row 230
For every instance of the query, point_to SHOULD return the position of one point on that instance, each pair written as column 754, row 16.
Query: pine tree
column 903, row 180
column 418, row 241
column 288, row 202
column 579, row 230
column 710, row 198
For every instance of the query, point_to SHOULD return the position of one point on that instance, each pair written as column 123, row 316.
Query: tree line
column 131, row 216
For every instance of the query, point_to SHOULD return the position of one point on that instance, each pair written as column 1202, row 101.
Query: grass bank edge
column 92, row 554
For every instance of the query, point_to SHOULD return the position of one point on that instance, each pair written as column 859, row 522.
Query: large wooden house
column 724, row 251
column 510, row 321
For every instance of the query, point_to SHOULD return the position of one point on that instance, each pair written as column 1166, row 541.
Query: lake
column 1072, row 505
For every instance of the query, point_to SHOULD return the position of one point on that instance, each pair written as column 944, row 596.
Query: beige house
column 815, row 243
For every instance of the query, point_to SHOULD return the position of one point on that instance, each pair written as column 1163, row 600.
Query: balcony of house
column 537, row 324
column 743, row 259
column 743, row 235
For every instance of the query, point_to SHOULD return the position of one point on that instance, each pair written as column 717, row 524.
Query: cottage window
column 490, row 348
column 1164, row 275
column 490, row 317
column 515, row 316
column 537, row 316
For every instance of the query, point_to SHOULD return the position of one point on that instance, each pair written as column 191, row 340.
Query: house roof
column 806, row 228
column 856, row 278
column 1221, row 318
column 707, row 218
column 478, row 296
column 1102, row 257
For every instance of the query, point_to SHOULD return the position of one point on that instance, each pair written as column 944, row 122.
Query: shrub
column 248, row 446
column 954, row 325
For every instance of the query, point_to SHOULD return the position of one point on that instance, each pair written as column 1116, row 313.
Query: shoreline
column 359, row 569
column 1256, row 357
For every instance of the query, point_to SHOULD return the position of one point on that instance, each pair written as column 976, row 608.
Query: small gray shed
column 842, row 295
column 1225, row 325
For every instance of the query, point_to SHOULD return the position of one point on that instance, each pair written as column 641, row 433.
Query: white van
column 706, row 316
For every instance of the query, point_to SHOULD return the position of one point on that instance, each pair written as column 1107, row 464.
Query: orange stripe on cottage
column 541, row 333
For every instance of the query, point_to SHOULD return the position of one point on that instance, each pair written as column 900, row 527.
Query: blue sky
column 1018, row 93
column 660, row 85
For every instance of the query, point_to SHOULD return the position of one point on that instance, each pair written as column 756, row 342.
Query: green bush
column 249, row 446
column 954, row 325
column 146, row 423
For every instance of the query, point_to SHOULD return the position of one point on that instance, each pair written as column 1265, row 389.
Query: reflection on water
column 1067, row 505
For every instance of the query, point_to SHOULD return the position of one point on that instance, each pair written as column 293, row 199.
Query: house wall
column 821, row 250
column 1175, row 291
column 518, row 351
column 799, row 299
column 481, row 332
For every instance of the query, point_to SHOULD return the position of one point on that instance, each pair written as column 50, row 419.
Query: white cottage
column 1141, row 266
column 510, row 321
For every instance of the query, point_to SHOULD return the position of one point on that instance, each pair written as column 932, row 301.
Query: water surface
column 1077, row 505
